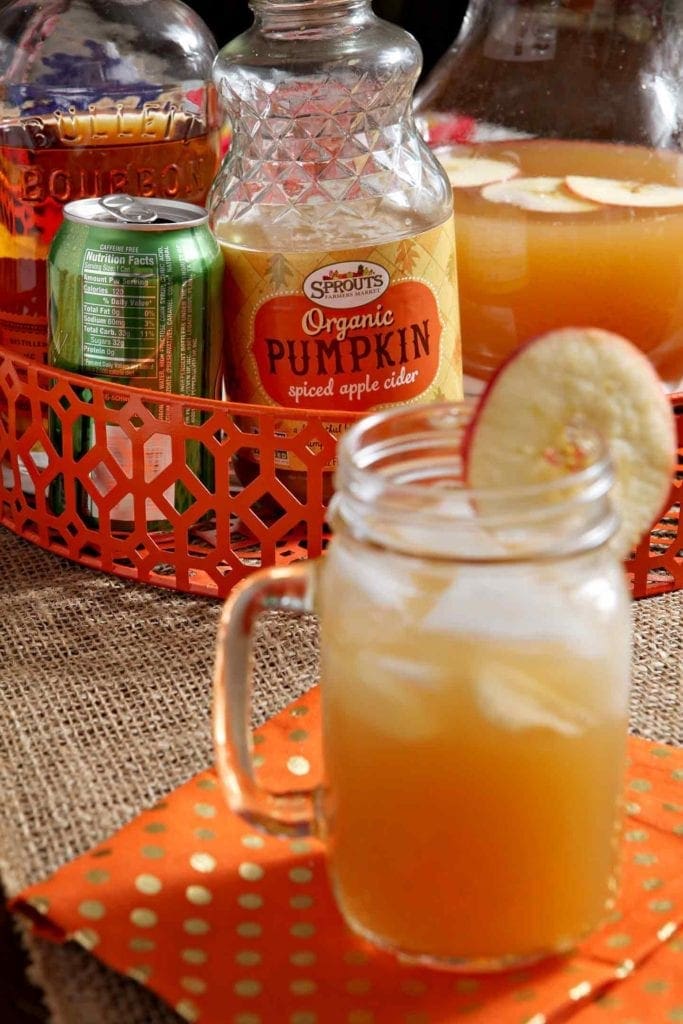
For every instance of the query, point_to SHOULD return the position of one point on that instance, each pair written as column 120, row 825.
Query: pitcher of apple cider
column 560, row 127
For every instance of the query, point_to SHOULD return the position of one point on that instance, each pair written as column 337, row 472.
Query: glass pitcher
column 559, row 122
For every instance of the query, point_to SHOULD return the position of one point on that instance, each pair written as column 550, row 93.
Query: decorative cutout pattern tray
column 166, row 462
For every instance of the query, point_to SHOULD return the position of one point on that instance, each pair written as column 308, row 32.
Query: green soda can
column 134, row 286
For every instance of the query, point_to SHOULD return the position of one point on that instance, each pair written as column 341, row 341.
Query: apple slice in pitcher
column 472, row 171
column 542, row 194
column 614, row 192
column 522, row 431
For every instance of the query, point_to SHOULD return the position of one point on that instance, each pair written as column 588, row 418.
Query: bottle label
column 347, row 330
column 50, row 159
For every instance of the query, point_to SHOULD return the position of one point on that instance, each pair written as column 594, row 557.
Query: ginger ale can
column 134, row 289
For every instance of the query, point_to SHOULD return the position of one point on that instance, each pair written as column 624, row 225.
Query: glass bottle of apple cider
column 335, row 222
column 560, row 125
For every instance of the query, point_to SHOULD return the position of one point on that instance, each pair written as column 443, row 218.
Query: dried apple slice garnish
column 615, row 192
column 542, row 194
column 472, row 171
column 523, row 432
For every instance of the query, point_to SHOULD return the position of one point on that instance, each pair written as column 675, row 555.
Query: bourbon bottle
column 95, row 97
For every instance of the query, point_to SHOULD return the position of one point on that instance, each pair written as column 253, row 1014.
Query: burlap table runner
column 105, row 693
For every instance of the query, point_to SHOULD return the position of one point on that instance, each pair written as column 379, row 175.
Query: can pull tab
column 128, row 209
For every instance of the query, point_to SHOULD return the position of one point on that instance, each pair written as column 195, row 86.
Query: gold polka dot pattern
column 39, row 903
column 250, row 872
column 92, row 909
column 194, row 956
column 250, row 901
column 253, row 842
column 248, row 988
column 86, row 937
column 248, row 958
column 155, row 828
column 141, row 945
column 301, row 902
column 231, row 926
column 149, row 884
column 302, row 958
column 298, row 765
column 153, row 852
column 192, row 984
column 199, row 895
column 300, row 875
column 187, row 1010
column 141, row 974
column 249, row 929
column 207, row 783
column 302, row 986
column 143, row 917
column 205, row 834
column 203, row 862
column 205, row 810
column 196, row 926
column 97, row 877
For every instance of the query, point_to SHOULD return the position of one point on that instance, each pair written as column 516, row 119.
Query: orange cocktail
column 474, row 746
column 522, row 272
column 474, row 667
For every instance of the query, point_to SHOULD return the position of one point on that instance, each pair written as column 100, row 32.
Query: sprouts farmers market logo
column 342, row 285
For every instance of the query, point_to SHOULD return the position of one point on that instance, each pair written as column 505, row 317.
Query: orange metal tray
column 223, row 534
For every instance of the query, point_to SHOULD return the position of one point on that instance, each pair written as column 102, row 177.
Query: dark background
column 434, row 23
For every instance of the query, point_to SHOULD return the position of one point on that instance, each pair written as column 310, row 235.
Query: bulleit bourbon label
column 348, row 329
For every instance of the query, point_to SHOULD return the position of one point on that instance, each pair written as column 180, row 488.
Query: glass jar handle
column 286, row 588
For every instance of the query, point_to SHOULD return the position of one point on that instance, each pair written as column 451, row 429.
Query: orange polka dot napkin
column 232, row 927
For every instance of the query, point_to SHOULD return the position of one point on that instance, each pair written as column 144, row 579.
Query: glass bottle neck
column 308, row 17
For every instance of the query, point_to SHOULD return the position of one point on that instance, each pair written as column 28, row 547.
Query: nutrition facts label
column 120, row 312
